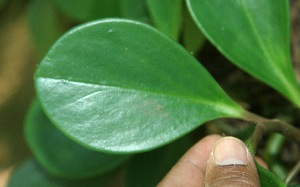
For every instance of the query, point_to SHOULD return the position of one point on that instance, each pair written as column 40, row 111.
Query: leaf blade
column 134, row 10
column 59, row 155
column 252, row 38
column 29, row 173
column 88, row 10
column 166, row 16
column 146, row 95
column 267, row 178
column 44, row 35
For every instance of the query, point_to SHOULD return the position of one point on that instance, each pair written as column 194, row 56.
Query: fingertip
column 230, row 151
column 231, row 164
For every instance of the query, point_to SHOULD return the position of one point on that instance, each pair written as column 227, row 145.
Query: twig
column 268, row 126
column 283, row 128
column 292, row 173
column 256, row 137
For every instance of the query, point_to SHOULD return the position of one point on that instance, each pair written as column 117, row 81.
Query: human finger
column 190, row 169
column 231, row 164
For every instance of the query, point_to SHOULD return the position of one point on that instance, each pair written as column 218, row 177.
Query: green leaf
column 268, row 179
column 31, row 174
column 43, row 34
column 254, row 35
column 122, row 86
column 166, row 16
column 192, row 38
column 59, row 155
column 2, row 2
column 134, row 10
column 273, row 150
column 148, row 169
column 88, row 10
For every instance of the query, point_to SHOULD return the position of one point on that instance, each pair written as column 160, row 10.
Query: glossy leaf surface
column 29, row 173
column 254, row 35
column 88, row 10
column 59, row 155
column 166, row 16
column 122, row 86
column 148, row 169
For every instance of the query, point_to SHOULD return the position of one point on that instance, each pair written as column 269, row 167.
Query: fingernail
column 230, row 151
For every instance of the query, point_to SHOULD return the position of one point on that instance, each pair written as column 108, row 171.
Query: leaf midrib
column 222, row 106
column 290, row 89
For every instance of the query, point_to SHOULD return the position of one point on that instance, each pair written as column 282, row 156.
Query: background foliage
column 29, row 28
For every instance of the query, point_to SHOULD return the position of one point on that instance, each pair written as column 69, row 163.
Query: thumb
column 231, row 164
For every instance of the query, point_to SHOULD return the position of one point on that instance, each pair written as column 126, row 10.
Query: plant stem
column 254, row 118
column 266, row 126
column 256, row 137
column 283, row 128
column 292, row 173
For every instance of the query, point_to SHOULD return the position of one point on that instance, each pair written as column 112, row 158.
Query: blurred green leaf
column 29, row 173
column 88, row 10
column 166, row 16
column 275, row 144
column 267, row 178
column 244, row 134
column 45, row 24
column 148, row 169
column 253, row 34
column 272, row 154
column 61, row 156
column 193, row 38
column 134, row 10
column 122, row 86
column 2, row 2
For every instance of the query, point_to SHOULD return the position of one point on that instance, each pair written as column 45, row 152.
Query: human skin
column 208, row 164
